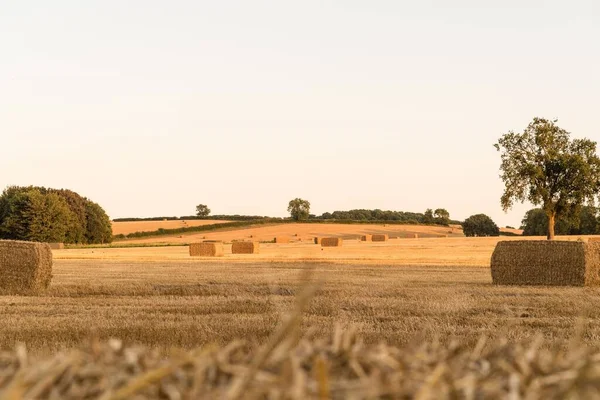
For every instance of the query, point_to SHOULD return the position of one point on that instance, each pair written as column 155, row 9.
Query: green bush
column 50, row 215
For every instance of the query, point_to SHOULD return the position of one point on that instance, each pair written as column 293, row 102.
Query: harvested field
column 25, row 267
column 125, row 228
column 176, row 301
column 245, row 248
column 206, row 249
column 306, row 232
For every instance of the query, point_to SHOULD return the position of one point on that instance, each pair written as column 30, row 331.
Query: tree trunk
column 551, row 221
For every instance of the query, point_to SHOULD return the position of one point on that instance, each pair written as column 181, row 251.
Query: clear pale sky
column 151, row 107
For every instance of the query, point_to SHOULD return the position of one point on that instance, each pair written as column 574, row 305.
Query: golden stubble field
column 300, row 232
column 400, row 291
column 126, row 227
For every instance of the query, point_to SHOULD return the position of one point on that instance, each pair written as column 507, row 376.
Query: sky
column 152, row 107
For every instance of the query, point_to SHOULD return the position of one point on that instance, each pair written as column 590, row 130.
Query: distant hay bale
column 366, row 238
column 594, row 239
column 245, row 248
column 318, row 240
column 331, row 242
column 207, row 249
column 281, row 239
column 56, row 246
column 546, row 262
column 25, row 267
column 380, row 238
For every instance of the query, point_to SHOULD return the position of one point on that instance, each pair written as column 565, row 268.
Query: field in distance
column 127, row 227
column 302, row 232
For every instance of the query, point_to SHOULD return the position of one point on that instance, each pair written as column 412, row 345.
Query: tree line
column 52, row 215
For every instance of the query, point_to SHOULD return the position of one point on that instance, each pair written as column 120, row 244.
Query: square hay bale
column 415, row 236
column 318, row 240
column 366, row 238
column 207, row 249
column 281, row 239
column 245, row 248
column 380, row 238
column 56, row 246
column 25, row 267
column 331, row 242
column 546, row 262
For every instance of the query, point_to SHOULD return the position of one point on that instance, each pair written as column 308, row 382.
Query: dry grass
column 337, row 366
column 453, row 251
column 169, row 303
column 25, row 267
column 125, row 228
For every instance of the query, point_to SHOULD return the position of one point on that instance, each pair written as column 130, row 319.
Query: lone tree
column 543, row 165
column 202, row 210
column 299, row 209
column 441, row 216
column 480, row 225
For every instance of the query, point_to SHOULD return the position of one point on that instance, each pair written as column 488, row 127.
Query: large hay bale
column 331, row 242
column 318, row 240
column 56, row 246
column 207, row 249
column 380, row 238
column 245, row 248
column 281, row 239
column 366, row 238
column 25, row 267
column 546, row 262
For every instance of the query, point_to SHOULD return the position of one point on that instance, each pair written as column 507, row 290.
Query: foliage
column 544, row 166
column 480, row 225
column 428, row 216
column 299, row 209
column 50, row 215
column 441, row 216
column 99, row 229
column 535, row 223
column 202, row 210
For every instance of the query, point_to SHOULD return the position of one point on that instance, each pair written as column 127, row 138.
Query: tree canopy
column 480, row 225
column 545, row 166
column 299, row 209
column 535, row 223
column 50, row 215
column 202, row 210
